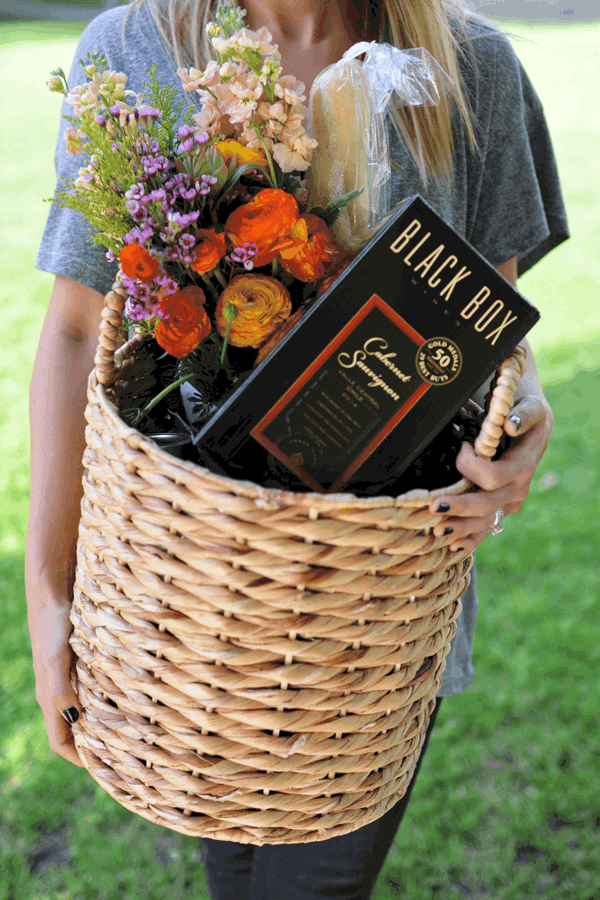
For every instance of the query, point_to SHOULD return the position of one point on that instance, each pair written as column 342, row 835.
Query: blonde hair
column 428, row 131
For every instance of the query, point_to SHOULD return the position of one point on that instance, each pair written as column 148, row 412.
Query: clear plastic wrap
column 347, row 115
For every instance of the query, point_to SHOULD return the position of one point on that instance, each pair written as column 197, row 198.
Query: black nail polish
column 459, row 549
column 443, row 507
column 71, row 714
column 420, row 533
column 448, row 530
column 516, row 420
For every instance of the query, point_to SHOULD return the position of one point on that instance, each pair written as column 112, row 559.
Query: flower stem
column 225, row 341
column 269, row 159
column 166, row 391
column 271, row 169
column 230, row 311
column 219, row 277
column 209, row 287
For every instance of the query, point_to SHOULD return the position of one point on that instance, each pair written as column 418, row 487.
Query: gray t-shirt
column 504, row 199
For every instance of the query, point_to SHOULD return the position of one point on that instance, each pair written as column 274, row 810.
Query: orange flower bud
column 187, row 325
column 209, row 251
column 138, row 263
column 263, row 303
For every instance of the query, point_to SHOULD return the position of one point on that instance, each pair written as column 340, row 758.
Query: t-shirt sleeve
column 516, row 204
column 66, row 247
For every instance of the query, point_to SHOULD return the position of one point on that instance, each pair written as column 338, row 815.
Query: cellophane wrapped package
column 348, row 116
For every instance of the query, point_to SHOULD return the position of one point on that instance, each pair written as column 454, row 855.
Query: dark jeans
column 343, row 867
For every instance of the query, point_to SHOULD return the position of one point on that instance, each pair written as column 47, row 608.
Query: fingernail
column 443, row 507
column 420, row 533
column 459, row 549
column 71, row 714
column 516, row 420
column 448, row 530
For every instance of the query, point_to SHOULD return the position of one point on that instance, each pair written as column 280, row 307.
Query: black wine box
column 378, row 365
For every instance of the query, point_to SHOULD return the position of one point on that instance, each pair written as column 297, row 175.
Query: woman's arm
column 64, row 360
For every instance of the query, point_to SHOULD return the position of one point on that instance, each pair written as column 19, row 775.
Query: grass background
column 507, row 802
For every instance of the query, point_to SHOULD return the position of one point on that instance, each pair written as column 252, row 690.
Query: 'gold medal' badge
column 438, row 361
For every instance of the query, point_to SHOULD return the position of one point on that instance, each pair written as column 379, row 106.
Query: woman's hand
column 50, row 627
column 503, row 484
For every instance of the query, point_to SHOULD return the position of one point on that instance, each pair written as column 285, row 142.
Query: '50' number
column 442, row 358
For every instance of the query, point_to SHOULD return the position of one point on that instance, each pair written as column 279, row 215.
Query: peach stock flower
column 210, row 249
column 138, row 263
column 290, row 89
column 262, row 303
column 186, row 326
column 74, row 138
column 294, row 151
column 195, row 80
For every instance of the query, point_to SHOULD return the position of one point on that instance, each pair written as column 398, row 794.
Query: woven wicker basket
column 253, row 665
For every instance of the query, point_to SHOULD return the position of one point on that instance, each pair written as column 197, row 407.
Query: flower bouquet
column 208, row 216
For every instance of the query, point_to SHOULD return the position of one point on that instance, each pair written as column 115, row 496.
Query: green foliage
column 228, row 19
column 331, row 212
column 171, row 103
column 94, row 61
column 103, row 207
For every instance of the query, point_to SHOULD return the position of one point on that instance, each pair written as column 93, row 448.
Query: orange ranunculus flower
column 187, row 325
column 228, row 149
column 209, row 250
column 138, row 263
column 311, row 260
column 262, row 302
column 265, row 221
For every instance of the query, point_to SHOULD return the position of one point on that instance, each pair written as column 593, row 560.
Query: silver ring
column 496, row 528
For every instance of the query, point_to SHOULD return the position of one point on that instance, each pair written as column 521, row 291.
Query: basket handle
column 508, row 375
column 111, row 351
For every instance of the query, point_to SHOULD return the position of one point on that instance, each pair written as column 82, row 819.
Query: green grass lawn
column 507, row 801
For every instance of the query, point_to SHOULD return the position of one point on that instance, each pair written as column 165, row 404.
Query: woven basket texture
column 253, row 665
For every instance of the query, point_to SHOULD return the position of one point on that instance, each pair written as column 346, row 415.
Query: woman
column 483, row 160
